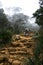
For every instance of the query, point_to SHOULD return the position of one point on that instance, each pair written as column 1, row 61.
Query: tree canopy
column 39, row 14
column 3, row 21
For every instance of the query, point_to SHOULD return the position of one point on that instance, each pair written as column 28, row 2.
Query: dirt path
column 18, row 52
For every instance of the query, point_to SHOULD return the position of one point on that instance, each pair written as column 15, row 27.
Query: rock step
column 18, row 52
column 16, row 62
column 14, row 51
column 22, row 44
column 17, row 49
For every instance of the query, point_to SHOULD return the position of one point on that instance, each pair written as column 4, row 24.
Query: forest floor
column 20, row 49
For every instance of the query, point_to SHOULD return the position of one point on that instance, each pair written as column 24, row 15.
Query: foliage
column 4, row 23
column 39, row 45
column 39, row 16
column 19, row 22
column 6, row 36
column 18, row 26
column 5, row 29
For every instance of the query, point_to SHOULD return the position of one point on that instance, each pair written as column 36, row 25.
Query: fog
column 27, row 7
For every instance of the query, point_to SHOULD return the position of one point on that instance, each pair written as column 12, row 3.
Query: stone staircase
column 17, row 53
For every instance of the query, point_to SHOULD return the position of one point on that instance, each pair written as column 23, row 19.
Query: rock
column 20, row 49
column 15, row 44
column 1, row 64
column 17, row 37
column 23, row 40
column 16, row 62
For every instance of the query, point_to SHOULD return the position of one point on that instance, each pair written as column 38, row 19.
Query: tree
column 39, row 14
column 3, row 21
column 19, row 22
column 38, row 50
column 5, row 32
column 41, row 3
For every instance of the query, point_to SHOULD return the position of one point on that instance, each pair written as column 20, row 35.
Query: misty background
column 22, row 11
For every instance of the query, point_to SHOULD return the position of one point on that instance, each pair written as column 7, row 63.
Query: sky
column 28, row 7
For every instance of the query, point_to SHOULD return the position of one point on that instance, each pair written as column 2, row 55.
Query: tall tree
column 41, row 3
column 5, row 33
column 19, row 22
column 39, row 46
column 39, row 14
column 4, row 23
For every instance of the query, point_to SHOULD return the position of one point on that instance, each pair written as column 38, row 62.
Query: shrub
column 6, row 36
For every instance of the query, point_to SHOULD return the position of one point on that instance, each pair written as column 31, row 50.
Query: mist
column 16, row 9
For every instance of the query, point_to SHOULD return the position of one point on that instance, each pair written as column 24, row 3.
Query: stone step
column 16, row 62
column 28, row 45
column 19, row 53
column 15, row 44
column 18, row 49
